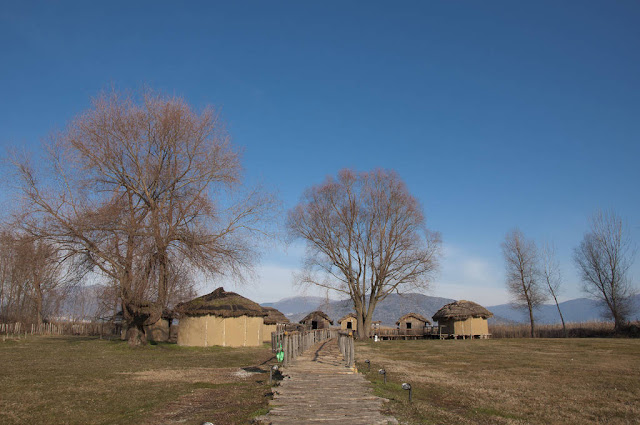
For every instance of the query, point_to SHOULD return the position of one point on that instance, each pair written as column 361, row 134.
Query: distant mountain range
column 394, row 306
column 577, row 310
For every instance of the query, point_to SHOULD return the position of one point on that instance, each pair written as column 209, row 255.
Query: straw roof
column 348, row 316
column 221, row 303
column 274, row 316
column 316, row 314
column 414, row 316
column 462, row 310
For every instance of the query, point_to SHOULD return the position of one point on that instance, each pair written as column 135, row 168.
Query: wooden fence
column 347, row 347
column 389, row 333
column 295, row 343
column 59, row 328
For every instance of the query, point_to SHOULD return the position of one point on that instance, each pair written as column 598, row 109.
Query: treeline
column 33, row 283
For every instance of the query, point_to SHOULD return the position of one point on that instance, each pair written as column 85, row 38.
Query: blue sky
column 496, row 114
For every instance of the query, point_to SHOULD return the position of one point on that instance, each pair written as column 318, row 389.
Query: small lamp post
column 384, row 374
column 407, row 387
column 272, row 369
column 368, row 365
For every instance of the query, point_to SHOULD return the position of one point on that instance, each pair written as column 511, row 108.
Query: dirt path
column 319, row 389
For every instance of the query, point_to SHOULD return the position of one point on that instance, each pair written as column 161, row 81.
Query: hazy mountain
column 577, row 310
column 387, row 311
column 394, row 306
column 296, row 305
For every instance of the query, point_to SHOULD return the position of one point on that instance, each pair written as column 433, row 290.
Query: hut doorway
column 349, row 325
column 314, row 324
column 408, row 325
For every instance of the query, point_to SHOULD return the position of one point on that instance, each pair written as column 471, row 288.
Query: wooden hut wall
column 204, row 331
column 471, row 326
column 352, row 320
column 415, row 323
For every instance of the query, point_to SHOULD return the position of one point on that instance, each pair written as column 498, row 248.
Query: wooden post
column 352, row 351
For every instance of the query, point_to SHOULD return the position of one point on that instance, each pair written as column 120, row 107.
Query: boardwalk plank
column 319, row 389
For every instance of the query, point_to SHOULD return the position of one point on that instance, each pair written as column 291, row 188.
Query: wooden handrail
column 297, row 342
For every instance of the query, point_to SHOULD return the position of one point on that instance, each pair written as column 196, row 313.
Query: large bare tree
column 365, row 237
column 523, row 273
column 145, row 190
column 603, row 258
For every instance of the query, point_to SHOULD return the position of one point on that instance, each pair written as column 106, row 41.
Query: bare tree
column 603, row 258
column 521, row 260
column 552, row 277
column 365, row 237
column 145, row 191
column 32, row 278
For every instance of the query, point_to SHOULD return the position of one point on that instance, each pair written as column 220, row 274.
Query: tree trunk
column 361, row 320
column 136, row 336
column 531, row 320
column 564, row 327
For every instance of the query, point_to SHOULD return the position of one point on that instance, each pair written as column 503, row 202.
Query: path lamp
column 368, row 365
column 272, row 369
column 407, row 387
column 384, row 374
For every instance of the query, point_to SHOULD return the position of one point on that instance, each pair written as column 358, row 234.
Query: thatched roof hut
column 350, row 321
column 463, row 318
column 317, row 320
column 220, row 318
column 222, row 304
column 347, row 317
column 416, row 318
column 461, row 310
column 271, row 322
column 274, row 316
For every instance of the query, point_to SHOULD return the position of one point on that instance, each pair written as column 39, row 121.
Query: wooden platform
column 319, row 389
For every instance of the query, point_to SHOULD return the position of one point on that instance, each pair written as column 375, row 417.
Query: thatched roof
column 413, row 316
column 315, row 315
column 274, row 316
column 221, row 303
column 462, row 310
column 348, row 316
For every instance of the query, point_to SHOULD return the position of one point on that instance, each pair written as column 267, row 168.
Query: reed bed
column 593, row 329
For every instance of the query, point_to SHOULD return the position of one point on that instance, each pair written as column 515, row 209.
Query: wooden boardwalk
column 319, row 389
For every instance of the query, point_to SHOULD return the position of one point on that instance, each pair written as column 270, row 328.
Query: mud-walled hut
column 316, row 320
column 412, row 322
column 220, row 318
column 271, row 322
column 349, row 322
column 463, row 319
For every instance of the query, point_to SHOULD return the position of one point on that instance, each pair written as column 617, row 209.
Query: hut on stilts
column 412, row 324
column 463, row 319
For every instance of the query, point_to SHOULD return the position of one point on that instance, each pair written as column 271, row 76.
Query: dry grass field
column 80, row 380
column 508, row 381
